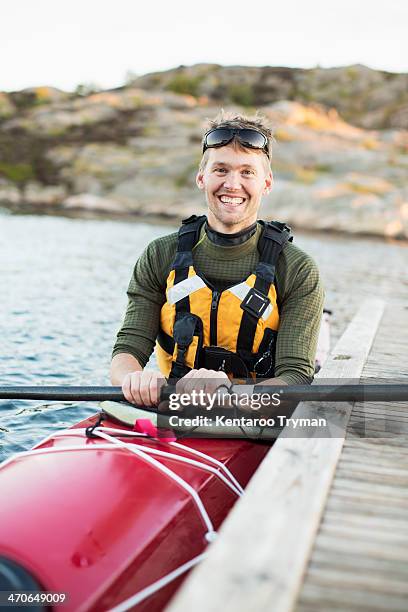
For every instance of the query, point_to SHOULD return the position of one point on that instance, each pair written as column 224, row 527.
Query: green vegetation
column 186, row 178
column 87, row 89
column 352, row 73
column 367, row 189
column 184, row 84
column 322, row 168
column 305, row 175
column 241, row 94
column 18, row 173
column 150, row 130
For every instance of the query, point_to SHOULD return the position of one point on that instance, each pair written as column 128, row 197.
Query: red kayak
column 115, row 521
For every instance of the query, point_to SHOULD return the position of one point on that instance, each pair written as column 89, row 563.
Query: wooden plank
column 381, row 413
column 399, row 458
column 368, row 507
column 361, row 487
column 379, row 425
column 375, row 477
column 350, row 579
column 357, row 534
column 376, row 567
column 360, row 430
column 377, row 446
column 366, row 522
column 395, row 445
column 379, row 550
column 394, row 455
column 259, row 559
column 352, row 464
column 322, row 598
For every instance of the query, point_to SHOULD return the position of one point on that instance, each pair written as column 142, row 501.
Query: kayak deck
column 98, row 522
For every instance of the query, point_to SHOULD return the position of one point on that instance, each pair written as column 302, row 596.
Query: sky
column 62, row 44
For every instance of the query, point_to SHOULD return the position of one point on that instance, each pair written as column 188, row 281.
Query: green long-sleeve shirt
column 298, row 285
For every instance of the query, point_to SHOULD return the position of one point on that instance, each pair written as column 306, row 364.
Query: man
column 226, row 295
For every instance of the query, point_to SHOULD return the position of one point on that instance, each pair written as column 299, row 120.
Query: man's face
column 234, row 181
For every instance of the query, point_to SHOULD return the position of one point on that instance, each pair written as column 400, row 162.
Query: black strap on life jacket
column 273, row 240
column 188, row 236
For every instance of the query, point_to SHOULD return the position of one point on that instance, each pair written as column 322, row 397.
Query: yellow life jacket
column 233, row 330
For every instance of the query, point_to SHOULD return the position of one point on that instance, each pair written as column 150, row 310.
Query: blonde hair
column 230, row 120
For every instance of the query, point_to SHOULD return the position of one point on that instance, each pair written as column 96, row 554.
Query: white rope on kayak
column 170, row 473
column 184, row 448
column 156, row 586
column 231, row 485
column 219, row 464
column 179, row 458
column 124, row 432
column 50, row 450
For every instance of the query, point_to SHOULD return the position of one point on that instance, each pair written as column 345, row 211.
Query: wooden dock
column 323, row 524
column 360, row 556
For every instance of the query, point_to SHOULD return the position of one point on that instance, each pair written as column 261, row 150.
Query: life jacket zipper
column 213, row 317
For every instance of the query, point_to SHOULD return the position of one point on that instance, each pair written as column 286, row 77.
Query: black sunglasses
column 219, row 137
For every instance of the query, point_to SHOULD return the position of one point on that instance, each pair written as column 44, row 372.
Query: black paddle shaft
column 317, row 392
column 77, row 394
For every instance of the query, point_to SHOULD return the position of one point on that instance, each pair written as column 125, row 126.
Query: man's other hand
column 204, row 380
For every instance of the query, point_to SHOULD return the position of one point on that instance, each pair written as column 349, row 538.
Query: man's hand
column 204, row 380
column 143, row 388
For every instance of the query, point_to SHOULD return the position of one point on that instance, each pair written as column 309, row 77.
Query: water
column 63, row 296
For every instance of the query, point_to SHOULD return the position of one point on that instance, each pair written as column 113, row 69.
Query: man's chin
column 239, row 211
column 231, row 216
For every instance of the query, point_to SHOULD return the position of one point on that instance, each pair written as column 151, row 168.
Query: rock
column 39, row 195
column 95, row 168
column 136, row 150
column 362, row 96
column 339, row 210
column 35, row 96
column 90, row 202
column 9, row 193
column 7, row 108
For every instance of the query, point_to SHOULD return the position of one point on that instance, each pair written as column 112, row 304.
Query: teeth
column 228, row 200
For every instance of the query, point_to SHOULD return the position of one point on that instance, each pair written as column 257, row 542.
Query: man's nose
column 232, row 181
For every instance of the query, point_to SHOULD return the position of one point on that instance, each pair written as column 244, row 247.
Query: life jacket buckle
column 255, row 303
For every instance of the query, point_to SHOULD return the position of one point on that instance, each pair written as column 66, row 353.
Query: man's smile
column 231, row 200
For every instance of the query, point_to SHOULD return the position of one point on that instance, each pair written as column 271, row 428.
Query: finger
column 134, row 387
column 126, row 389
column 219, row 379
column 183, row 382
column 156, row 385
column 144, row 388
column 194, row 383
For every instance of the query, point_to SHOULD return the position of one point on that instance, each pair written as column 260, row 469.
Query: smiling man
column 227, row 295
column 234, row 183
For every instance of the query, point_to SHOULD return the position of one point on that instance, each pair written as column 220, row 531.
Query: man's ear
column 268, row 182
column 200, row 180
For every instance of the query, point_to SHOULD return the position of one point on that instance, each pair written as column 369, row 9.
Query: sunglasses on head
column 219, row 137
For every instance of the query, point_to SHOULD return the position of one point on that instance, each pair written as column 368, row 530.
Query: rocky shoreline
column 133, row 153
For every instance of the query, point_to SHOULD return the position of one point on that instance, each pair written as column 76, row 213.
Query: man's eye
column 247, row 172
column 220, row 170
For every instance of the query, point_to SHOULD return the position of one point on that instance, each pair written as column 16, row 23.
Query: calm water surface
column 63, row 296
